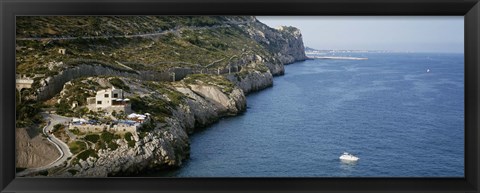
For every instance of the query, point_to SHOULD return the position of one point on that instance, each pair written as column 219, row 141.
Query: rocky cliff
column 226, row 58
column 285, row 42
column 168, row 144
column 283, row 45
column 205, row 102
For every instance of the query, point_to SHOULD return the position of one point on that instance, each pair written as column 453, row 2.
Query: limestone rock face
column 203, row 104
column 213, row 95
column 275, row 69
column 169, row 145
column 237, row 102
column 198, row 109
column 159, row 149
column 231, row 104
column 252, row 81
column 294, row 49
column 285, row 42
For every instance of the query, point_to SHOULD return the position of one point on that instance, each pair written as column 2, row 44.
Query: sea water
column 402, row 114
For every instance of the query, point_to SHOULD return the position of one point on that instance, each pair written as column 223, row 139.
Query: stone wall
column 119, row 128
column 53, row 85
column 117, row 108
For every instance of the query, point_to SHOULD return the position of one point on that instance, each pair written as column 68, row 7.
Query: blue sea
column 399, row 119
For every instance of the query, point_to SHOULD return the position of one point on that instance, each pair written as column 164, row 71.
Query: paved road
column 61, row 146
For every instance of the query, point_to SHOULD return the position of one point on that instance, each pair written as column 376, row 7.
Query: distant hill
column 309, row 49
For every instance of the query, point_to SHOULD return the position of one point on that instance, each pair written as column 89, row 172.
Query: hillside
column 141, row 43
column 187, row 72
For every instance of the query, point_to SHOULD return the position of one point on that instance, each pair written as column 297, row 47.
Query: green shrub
column 27, row 113
column 142, row 134
column 152, row 106
column 148, row 126
column 63, row 109
column 92, row 138
column 131, row 144
column 112, row 145
column 76, row 131
column 76, row 146
column 107, row 136
column 128, row 136
column 117, row 82
column 58, row 127
column 87, row 153
column 101, row 145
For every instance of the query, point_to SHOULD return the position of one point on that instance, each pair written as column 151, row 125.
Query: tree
column 57, row 127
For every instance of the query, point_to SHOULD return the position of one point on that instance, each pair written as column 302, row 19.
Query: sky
column 395, row 33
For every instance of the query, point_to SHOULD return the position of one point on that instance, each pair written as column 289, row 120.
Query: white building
column 109, row 100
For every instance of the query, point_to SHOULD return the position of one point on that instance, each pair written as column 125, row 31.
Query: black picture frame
column 470, row 9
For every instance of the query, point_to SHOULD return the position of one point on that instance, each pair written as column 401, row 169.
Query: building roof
column 78, row 120
column 136, row 116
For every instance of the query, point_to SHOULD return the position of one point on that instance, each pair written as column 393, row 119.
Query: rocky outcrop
column 293, row 50
column 203, row 103
column 159, row 149
column 252, row 80
column 206, row 104
column 168, row 145
column 285, row 42
column 223, row 104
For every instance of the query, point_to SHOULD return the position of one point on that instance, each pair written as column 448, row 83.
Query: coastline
column 180, row 107
column 205, row 106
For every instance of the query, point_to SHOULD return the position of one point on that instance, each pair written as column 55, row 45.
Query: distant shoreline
column 337, row 58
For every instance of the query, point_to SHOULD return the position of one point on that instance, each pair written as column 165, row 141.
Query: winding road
column 61, row 146
column 176, row 30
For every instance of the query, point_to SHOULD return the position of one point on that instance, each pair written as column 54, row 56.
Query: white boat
column 348, row 157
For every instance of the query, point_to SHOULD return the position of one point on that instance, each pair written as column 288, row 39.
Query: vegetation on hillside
column 74, row 26
column 132, row 44
column 220, row 81
column 194, row 42
column 164, row 46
